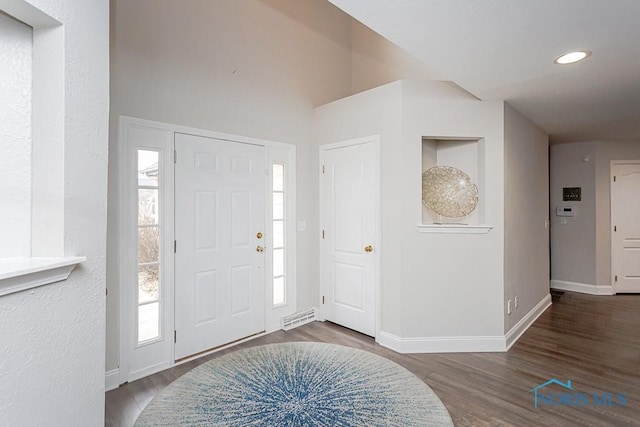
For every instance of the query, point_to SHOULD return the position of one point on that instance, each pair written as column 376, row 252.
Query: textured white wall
column 52, row 347
column 15, row 137
column 376, row 61
column 526, row 199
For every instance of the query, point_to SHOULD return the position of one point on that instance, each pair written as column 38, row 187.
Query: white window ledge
column 454, row 228
column 19, row 274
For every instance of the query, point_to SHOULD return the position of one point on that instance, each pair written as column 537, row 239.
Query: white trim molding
column 464, row 344
column 525, row 323
column 460, row 344
column 112, row 379
column 454, row 228
column 20, row 274
column 583, row 288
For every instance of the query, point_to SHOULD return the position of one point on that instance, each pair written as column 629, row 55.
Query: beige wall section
column 581, row 249
column 252, row 68
column 573, row 245
column 526, row 208
column 376, row 61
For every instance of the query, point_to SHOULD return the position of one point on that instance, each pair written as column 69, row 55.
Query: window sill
column 454, row 228
column 20, row 274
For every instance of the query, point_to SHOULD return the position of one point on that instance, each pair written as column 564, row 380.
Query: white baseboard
column 583, row 288
column 112, row 379
column 520, row 328
column 477, row 344
column 462, row 344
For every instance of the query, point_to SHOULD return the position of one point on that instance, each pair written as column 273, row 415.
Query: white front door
column 349, row 223
column 219, row 267
column 625, row 218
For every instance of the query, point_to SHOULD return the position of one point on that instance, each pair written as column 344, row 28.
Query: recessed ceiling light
column 571, row 57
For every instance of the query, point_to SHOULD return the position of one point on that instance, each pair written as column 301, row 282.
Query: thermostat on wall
column 565, row 211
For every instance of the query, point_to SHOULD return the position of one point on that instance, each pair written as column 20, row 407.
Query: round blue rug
column 297, row 384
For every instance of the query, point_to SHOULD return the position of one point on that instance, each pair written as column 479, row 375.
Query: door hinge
column 175, row 246
column 616, row 278
column 323, row 299
column 323, row 234
column 614, row 178
column 107, row 291
column 615, row 228
column 322, row 168
column 175, row 156
column 175, row 337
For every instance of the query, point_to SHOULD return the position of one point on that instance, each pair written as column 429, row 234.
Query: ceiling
column 504, row 50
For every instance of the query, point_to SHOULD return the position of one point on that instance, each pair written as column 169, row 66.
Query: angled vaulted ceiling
column 500, row 49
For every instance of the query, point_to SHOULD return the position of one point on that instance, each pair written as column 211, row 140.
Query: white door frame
column 611, row 225
column 275, row 152
column 375, row 140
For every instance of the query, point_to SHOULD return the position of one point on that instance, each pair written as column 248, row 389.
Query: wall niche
column 466, row 154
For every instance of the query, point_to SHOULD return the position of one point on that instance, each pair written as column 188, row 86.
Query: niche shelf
column 468, row 155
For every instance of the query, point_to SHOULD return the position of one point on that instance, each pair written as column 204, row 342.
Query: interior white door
column 625, row 217
column 219, row 264
column 348, row 209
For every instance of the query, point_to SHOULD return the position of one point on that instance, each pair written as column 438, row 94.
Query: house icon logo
column 569, row 396
column 535, row 390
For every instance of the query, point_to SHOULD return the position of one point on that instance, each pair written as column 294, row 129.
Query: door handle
column 259, row 249
column 368, row 248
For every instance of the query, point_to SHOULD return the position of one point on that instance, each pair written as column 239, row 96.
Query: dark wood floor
column 593, row 341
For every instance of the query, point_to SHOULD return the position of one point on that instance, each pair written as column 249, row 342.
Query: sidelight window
column 148, row 243
column 278, row 233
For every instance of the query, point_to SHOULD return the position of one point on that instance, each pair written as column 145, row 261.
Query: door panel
column 219, row 209
column 625, row 216
column 349, row 221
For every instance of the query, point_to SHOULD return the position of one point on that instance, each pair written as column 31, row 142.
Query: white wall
column 432, row 285
column 573, row 245
column 581, row 249
column 374, row 112
column 53, row 339
column 250, row 68
column 16, row 52
column 526, row 204
column 376, row 61
column 606, row 151
column 452, row 284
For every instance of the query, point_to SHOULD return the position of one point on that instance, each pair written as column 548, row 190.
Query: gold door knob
column 259, row 235
column 259, row 249
column 368, row 248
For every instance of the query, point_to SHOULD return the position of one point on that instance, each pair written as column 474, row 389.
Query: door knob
column 259, row 249
column 368, row 248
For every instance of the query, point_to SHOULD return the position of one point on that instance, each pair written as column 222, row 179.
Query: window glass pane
column 148, row 321
column 278, row 177
column 278, row 206
column 278, row 262
column 148, row 283
column 278, row 291
column 148, row 244
column 278, row 234
column 147, row 206
column 147, row 167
